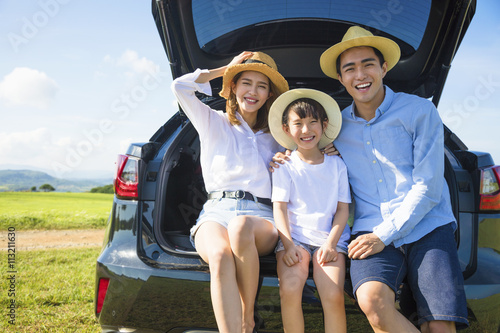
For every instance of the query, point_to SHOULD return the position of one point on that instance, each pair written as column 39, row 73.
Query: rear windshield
column 229, row 26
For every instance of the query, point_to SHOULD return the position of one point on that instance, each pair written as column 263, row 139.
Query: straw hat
column 357, row 36
column 281, row 103
column 258, row 62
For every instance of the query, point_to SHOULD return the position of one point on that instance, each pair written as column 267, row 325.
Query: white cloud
column 28, row 87
column 142, row 65
column 130, row 59
column 62, row 156
column 19, row 147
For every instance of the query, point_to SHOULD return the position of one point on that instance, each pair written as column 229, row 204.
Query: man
column 392, row 144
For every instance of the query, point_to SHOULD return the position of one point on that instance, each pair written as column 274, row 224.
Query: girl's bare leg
column 329, row 280
column 292, row 280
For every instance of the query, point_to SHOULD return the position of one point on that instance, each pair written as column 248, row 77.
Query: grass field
column 54, row 210
column 54, row 291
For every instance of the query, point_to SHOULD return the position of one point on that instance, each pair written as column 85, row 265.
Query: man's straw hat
column 354, row 37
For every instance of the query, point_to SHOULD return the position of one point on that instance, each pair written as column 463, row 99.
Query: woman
column 236, row 224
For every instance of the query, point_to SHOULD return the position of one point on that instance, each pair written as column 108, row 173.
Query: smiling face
column 302, row 124
column 361, row 74
column 252, row 90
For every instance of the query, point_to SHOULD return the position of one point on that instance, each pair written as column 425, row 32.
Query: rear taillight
column 127, row 178
column 490, row 189
column 101, row 294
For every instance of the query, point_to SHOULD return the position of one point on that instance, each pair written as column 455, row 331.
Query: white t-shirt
column 233, row 157
column 312, row 192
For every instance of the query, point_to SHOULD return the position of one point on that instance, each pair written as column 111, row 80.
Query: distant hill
column 24, row 180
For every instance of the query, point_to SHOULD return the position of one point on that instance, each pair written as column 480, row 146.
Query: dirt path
column 42, row 239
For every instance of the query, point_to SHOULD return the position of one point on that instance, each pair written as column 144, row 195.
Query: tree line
column 99, row 189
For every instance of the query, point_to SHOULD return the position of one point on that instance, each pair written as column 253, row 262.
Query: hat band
column 254, row 61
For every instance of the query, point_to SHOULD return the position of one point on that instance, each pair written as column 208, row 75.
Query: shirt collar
column 386, row 103
column 383, row 108
column 245, row 127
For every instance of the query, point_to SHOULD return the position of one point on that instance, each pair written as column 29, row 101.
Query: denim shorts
column 224, row 210
column 432, row 270
column 309, row 248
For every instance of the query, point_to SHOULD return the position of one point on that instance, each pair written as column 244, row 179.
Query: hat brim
column 276, row 78
column 329, row 104
column 389, row 49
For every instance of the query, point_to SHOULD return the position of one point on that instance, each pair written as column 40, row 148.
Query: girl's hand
column 240, row 58
column 279, row 158
column 292, row 256
column 330, row 150
column 326, row 254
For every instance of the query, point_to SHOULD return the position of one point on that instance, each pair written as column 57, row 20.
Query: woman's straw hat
column 354, row 37
column 281, row 103
column 258, row 62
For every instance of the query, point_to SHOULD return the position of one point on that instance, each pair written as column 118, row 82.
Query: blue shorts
column 433, row 274
column 309, row 248
column 224, row 210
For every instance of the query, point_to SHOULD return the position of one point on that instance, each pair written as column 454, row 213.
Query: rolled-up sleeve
column 427, row 177
column 184, row 89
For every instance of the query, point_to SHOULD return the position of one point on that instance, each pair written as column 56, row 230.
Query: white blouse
column 233, row 157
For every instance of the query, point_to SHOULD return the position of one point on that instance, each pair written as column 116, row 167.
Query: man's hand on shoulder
column 330, row 150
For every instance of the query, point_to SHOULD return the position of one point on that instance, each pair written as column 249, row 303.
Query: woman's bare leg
column 212, row 244
column 250, row 237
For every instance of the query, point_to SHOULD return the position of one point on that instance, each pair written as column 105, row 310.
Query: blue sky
column 80, row 80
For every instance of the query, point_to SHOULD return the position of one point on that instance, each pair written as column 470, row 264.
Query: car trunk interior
column 183, row 192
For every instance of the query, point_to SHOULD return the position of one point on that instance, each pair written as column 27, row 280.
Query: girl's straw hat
column 281, row 103
column 354, row 37
column 258, row 62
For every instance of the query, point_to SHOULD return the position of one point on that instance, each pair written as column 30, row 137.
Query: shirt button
column 374, row 161
column 367, row 142
column 380, row 180
column 367, row 124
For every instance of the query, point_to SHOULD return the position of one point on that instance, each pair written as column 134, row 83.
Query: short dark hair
column 305, row 107
column 379, row 55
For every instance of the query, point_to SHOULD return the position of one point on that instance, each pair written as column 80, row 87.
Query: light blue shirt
column 395, row 164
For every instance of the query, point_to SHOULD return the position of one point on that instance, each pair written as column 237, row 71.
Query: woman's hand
column 330, row 150
column 279, row 158
column 218, row 72
column 240, row 58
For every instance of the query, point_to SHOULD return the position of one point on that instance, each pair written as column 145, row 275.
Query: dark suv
column 149, row 278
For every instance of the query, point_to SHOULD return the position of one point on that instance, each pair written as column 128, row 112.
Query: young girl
column 236, row 224
column 310, row 199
